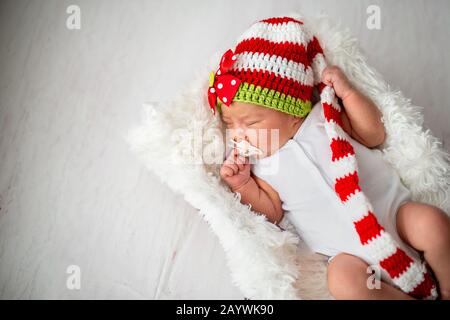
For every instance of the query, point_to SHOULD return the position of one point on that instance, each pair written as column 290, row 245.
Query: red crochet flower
column 222, row 85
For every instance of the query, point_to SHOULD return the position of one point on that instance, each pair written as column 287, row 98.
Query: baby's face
column 259, row 125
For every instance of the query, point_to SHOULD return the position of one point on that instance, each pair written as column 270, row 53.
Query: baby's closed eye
column 252, row 123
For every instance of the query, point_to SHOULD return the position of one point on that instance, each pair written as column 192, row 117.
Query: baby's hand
column 333, row 75
column 235, row 170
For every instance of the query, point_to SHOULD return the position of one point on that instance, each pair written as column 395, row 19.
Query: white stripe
column 282, row 67
column 335, row 131
column 357, row 206
column 328, row 96
column 433, row 295
column 381, row 247
column 278, row 33
column 335, row 104
column 347, row 164
column 411, row 278
column 344, row 166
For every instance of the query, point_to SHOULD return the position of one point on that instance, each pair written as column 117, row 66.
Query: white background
column 71, row 193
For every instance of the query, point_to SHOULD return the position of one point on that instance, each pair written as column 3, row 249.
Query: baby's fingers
column 234, row 168
column 241, row 162
column 327, row 78
column 227, row 172
column 330, row 74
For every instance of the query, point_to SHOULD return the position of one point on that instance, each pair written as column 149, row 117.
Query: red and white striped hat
column 272, row 65
column 276, row 64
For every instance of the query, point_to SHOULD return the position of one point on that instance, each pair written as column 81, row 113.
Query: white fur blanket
column 266, row 262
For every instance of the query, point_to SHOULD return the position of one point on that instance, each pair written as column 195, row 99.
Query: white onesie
column 300, row 172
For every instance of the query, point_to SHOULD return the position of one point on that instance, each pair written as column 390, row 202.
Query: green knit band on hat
column 272, row 99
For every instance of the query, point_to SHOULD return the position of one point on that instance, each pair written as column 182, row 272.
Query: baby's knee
column 347, row 277
column 423, row 226
column 436, row 225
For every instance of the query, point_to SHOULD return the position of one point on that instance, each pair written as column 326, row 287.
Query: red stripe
column 368, row 228
column 347, row 185
column 270, row 80
column 289, row 50
column 340, row 148
column 397, row 263
column 331, row 113
column 423, row 290
column 292, row 51
column 320, row 86
column 279, row 20
column 313, row 48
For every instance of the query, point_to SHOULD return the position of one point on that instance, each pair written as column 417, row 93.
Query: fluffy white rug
column 266, row 262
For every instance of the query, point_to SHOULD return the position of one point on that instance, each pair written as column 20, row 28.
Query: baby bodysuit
column 300, row 171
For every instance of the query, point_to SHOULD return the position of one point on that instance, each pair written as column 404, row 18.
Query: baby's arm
column 262, row 197
column 361, row 116
column 236, row 173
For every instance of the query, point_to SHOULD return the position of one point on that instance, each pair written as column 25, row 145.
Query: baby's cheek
column 251, row 135
column 255, row 135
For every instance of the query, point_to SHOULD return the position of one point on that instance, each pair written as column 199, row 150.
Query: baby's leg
column 348, row 279
column 427, row 229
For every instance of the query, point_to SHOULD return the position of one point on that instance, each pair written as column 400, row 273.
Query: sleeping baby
column 304, row 165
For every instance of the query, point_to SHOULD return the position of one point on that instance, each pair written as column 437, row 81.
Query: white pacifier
column 245, row 149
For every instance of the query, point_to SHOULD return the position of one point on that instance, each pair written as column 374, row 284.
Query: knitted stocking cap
column 276, row 64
